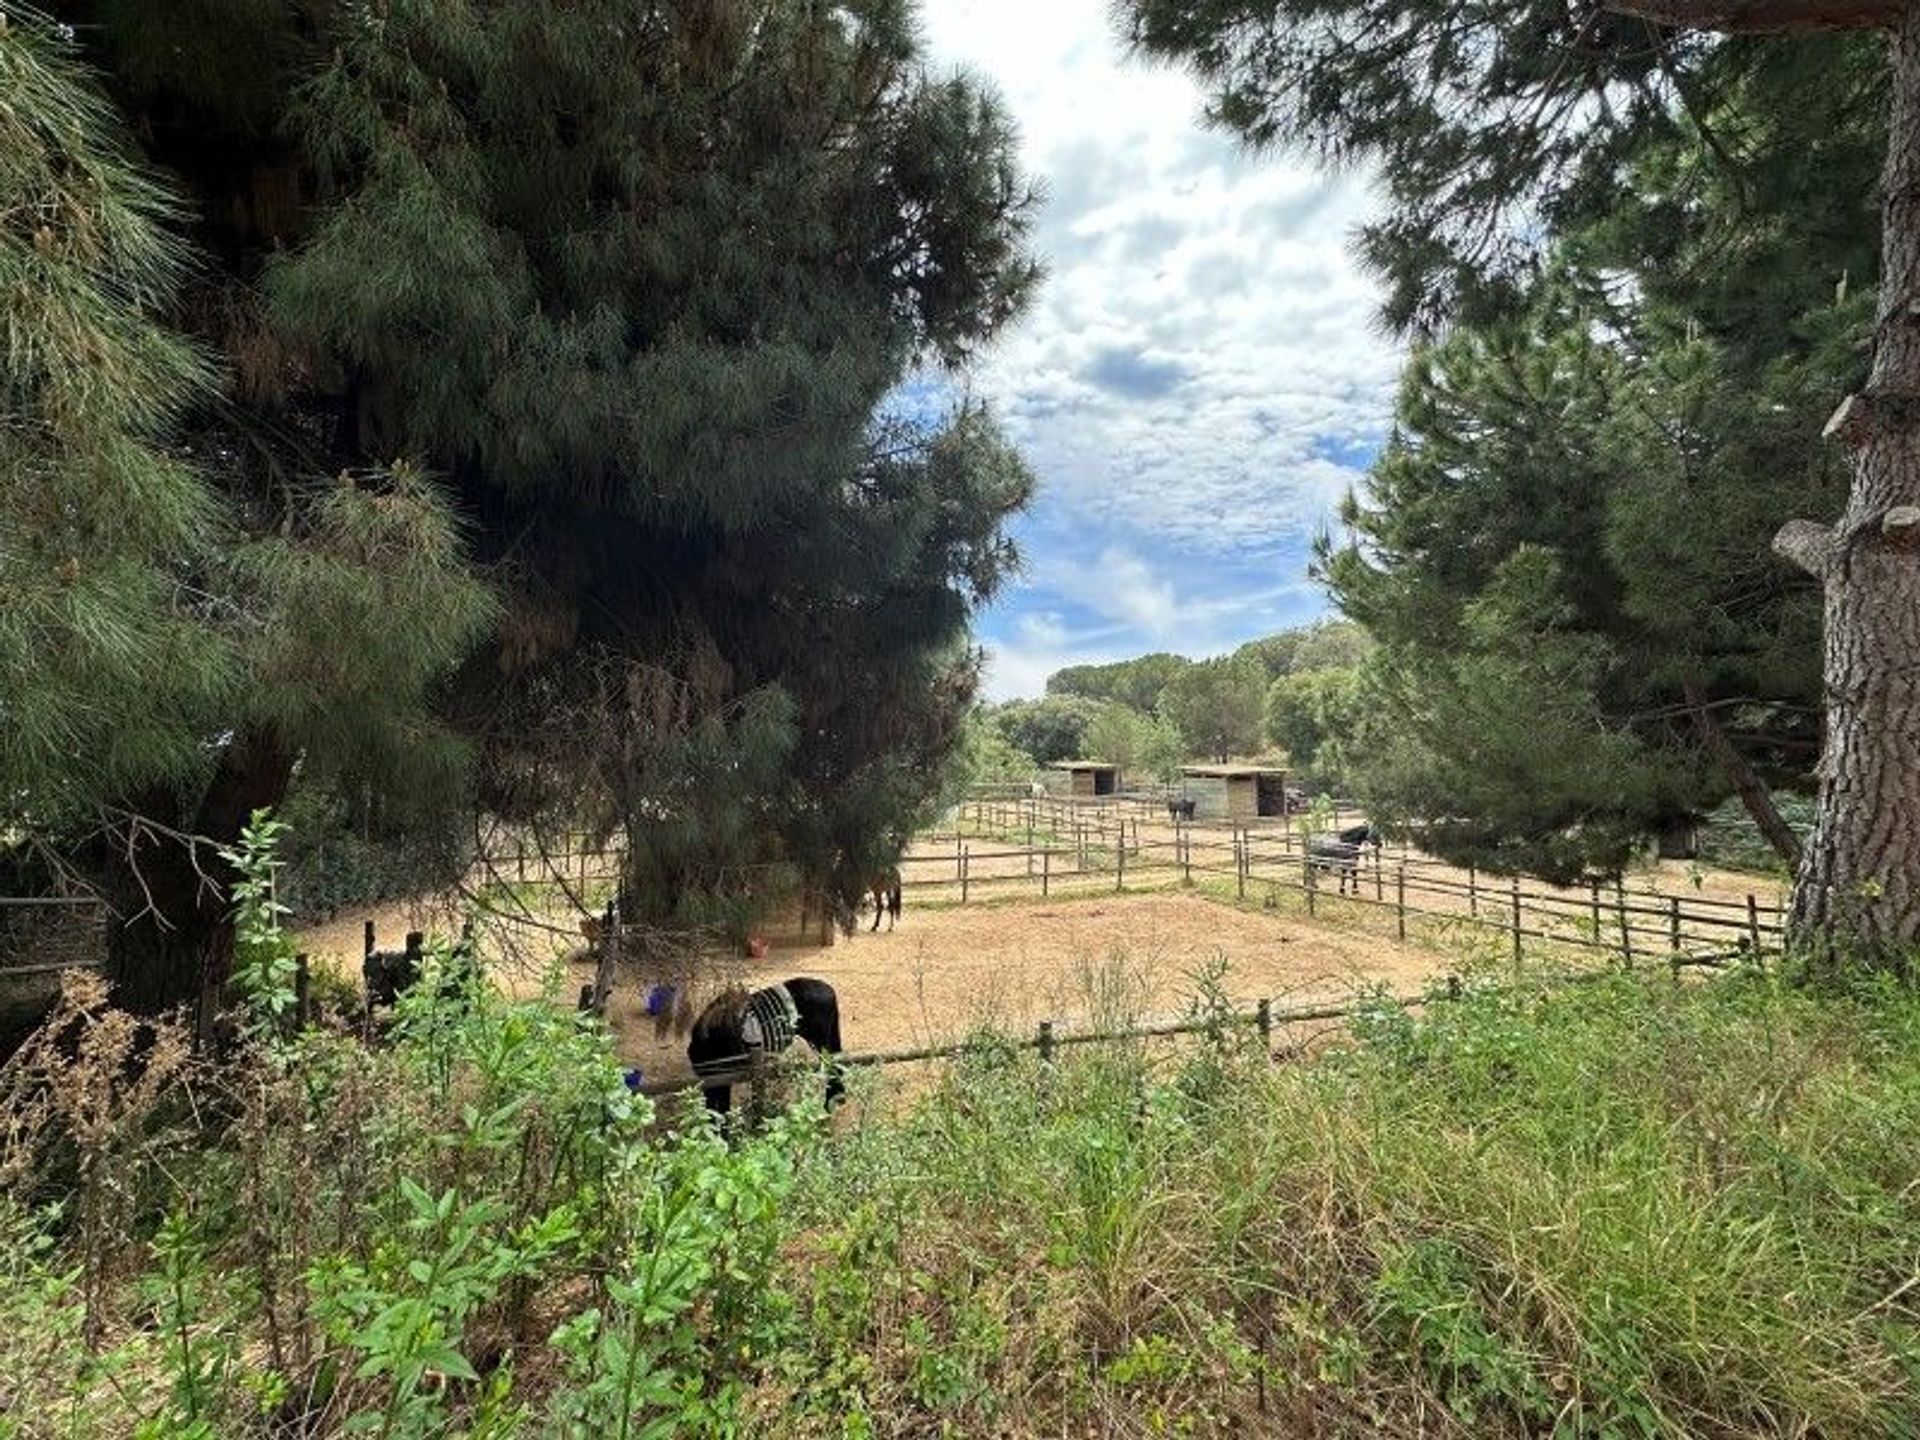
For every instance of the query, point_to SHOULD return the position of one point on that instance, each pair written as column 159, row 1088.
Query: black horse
column 1180, row 809
column 1340, row 852
column 738, row 1028
column 885, row 889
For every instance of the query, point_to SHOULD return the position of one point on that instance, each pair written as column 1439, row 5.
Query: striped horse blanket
column 768, row 1023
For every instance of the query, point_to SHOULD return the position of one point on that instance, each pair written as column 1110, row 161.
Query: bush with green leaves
column 1626, row 1208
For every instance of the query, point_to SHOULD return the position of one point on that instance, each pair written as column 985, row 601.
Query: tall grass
column 1623, row 1209
column 1619, row 1210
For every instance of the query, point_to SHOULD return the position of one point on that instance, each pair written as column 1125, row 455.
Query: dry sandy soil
column 949, row 969
column 942, row 973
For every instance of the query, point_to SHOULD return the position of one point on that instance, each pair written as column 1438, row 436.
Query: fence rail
column 1265, row 1017
column 1070, row 843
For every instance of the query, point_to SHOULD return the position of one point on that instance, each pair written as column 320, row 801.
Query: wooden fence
column 1265, row 1018
column 1064, row 847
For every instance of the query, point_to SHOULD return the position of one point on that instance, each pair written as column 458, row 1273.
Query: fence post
column 1400, row 898
column 1753, row 923
column 1246, row 861
column 1673, row 923
column 1120, row 861
column 1473, row 891
column 965, row 867
column 1379, row 876
column 1626, row 934
column 957, row 850
column 1046, row 872
column 1263, row 1017
column 1183, row 847
column 603, row 970
column 1593, row 895
column 1515, row 891
column 1046, row 1041
column 1309, row 880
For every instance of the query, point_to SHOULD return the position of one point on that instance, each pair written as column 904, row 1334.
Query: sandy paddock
column 943, row 973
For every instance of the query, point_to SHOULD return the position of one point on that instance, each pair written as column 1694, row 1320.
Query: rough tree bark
column 171, row 942
column 1751, row 789
column 1858, row 889
column 1857, row 893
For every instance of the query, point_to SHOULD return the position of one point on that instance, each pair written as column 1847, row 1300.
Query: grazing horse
column 1180, row 809
column 885, row 889
column 1341, row 852
column 738, row 1028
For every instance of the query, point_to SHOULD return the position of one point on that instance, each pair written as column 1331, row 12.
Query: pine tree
column 110, row 665
column 1051, row 728
column 1137, row 683
column 1218, row 705
column 1500, row 127
column 631, row 284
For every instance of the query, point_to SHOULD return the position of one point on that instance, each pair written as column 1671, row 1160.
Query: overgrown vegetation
column 1621, row 1209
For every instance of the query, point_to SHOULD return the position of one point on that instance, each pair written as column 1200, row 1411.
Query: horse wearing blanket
column 1340, row 852
column 737, row 1029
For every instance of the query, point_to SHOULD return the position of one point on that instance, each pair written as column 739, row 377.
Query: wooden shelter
column 1235, row 792
column 1087, row 779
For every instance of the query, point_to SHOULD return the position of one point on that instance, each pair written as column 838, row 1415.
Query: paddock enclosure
column 998, row 849
column 949, row 971
column 1021, row 907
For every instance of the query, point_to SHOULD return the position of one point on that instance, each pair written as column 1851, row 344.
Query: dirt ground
column 943, row 973
column 951, row 968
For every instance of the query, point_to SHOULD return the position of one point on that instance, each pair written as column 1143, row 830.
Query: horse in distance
column 884, row 887
column 1340, row 853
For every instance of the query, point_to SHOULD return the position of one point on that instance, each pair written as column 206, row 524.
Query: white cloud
column 1045, row 630
column 1202, row 358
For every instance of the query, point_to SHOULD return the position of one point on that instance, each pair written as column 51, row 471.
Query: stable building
column 1083, row 779
column 1237, row 793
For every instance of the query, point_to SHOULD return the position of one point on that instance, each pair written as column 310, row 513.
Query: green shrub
column 1620, row 1209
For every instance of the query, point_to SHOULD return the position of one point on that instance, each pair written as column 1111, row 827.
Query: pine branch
column 1807, row 544
column 1764, row 17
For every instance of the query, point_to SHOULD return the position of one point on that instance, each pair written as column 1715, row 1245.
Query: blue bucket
column 659, row 1000
column 635, row 1080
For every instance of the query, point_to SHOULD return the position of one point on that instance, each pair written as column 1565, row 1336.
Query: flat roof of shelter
column 1230, row 771
column 1083, row 765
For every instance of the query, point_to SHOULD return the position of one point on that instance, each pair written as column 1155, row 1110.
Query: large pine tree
column 630, row 283
column 1496, row 126
column 178, row 623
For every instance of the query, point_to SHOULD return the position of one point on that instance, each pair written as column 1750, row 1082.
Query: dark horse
column 737, row 1028
column 1180, row 809
column 1341, row 852
column 885, row 889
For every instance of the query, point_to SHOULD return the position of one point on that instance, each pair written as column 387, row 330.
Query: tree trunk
column 1857, row 896
column 1751, row 789
column 172, row 943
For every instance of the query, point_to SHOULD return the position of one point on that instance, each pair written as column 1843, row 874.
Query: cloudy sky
column 1201, row 378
